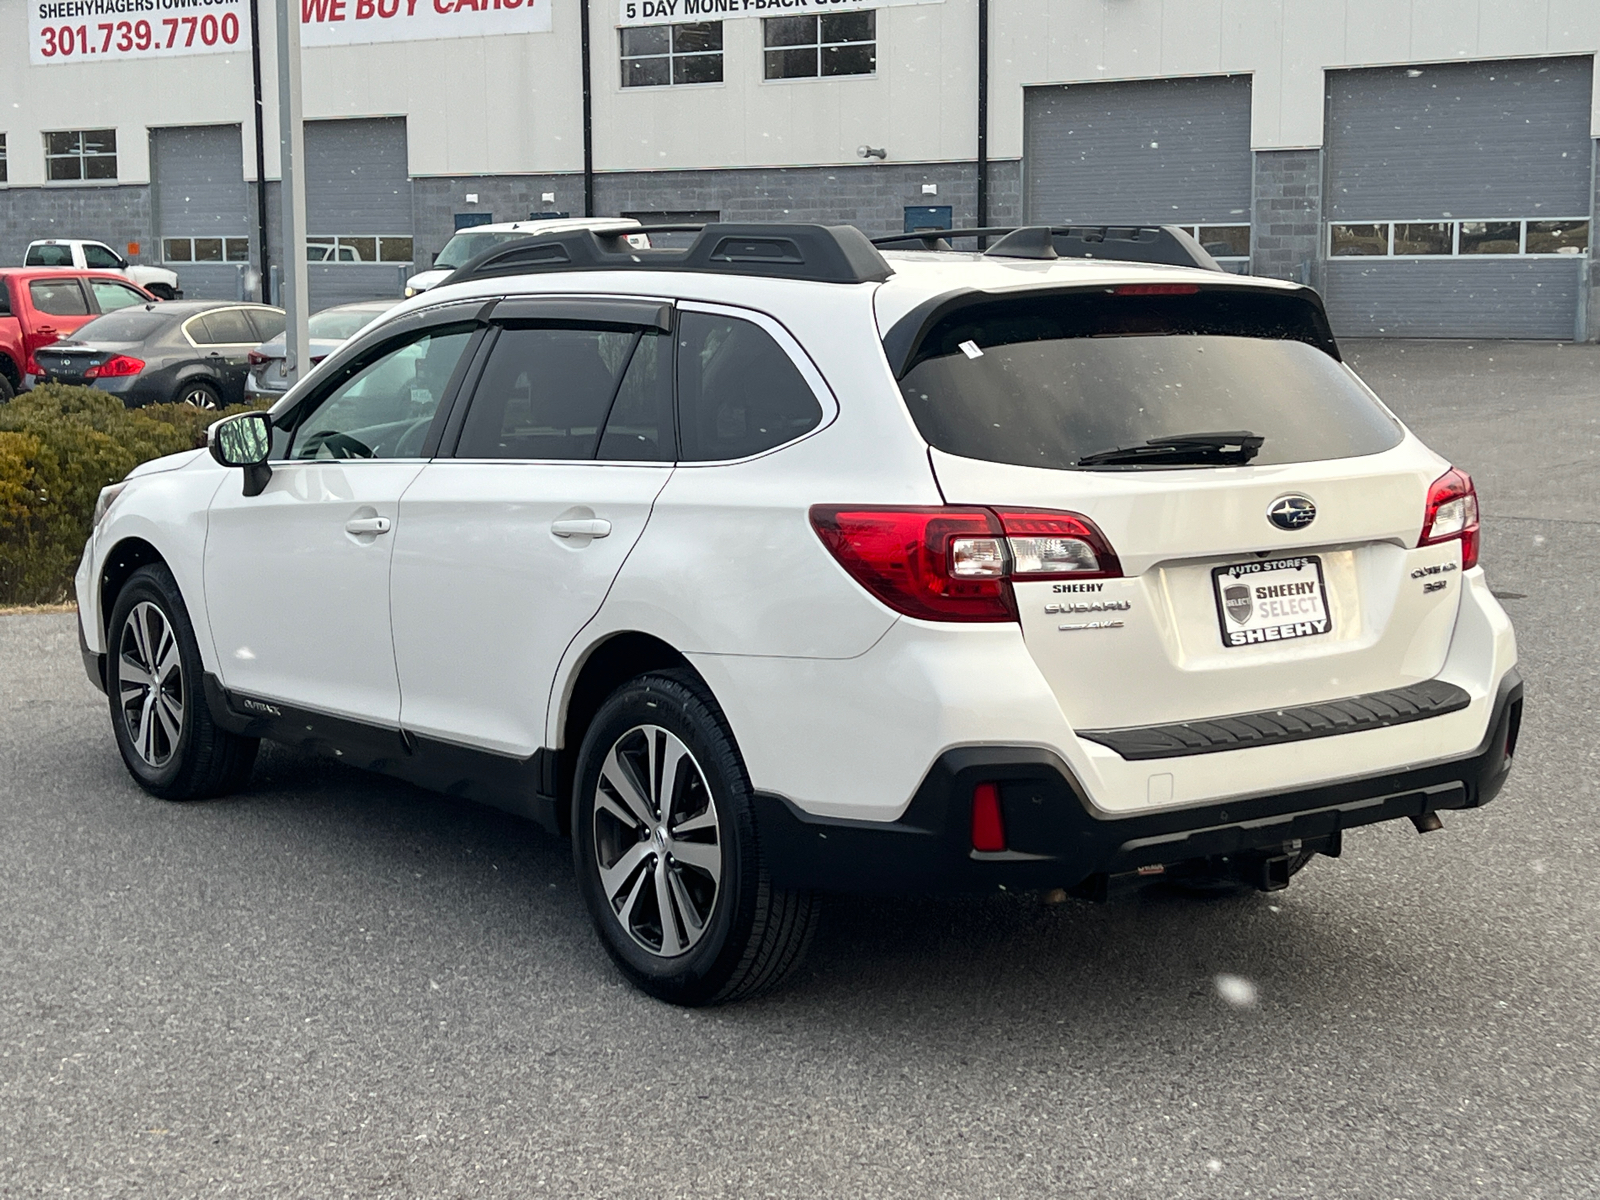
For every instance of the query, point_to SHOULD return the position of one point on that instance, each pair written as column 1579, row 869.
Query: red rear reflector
column 115, row 367
column 255, row 358
column 988, row 830
column 1452, row 512
column 1155, row 289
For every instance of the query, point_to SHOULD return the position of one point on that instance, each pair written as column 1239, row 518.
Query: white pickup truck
column 97, row 256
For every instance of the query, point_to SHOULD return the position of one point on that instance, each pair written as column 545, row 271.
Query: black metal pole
column 261, row 149
column 588, row 112
column 983, row 118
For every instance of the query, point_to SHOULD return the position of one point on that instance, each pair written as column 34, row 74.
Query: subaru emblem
column 1292, row 512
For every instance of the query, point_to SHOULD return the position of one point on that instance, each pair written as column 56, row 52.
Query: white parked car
column 780, row 565
column 97, row 256
column 467, row 244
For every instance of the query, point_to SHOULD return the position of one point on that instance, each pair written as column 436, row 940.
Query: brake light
column 256, row 359
column 958, row 564
column 1155, row 289
column 114, row 368
column 1452, row 512
column 988, row 827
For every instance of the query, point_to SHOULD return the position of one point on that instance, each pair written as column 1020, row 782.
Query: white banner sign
column 69, row 31
column 344, row 22
column 669, row 12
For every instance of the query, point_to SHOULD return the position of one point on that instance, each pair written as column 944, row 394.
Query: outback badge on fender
column 1292, row 512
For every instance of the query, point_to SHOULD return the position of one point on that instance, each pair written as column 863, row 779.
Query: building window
column 1433, row 239
column 205, row 250
column 80, row 154
column 358, row 248
column 1222, row 242
column 811, row 47
column 659, row 55
column 2, row 158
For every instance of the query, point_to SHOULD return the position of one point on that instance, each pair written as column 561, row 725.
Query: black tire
column 202, row 759
column 734, row 935
column 8, row 390
column 198, row 393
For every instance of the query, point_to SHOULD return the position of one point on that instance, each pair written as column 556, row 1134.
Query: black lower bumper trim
column 1055, row 838
column 94, row 664
column 1375, row 710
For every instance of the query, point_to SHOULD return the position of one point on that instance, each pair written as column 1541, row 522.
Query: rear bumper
column 1056, row 838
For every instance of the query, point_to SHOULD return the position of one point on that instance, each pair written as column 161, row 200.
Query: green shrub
column 59, row 446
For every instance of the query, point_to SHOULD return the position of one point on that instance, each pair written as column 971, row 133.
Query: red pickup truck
column 42, row 305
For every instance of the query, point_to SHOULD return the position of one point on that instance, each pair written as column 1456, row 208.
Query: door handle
column 367, row 525
column 591, row 527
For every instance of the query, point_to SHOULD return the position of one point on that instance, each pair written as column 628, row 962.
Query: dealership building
column 1430, row 167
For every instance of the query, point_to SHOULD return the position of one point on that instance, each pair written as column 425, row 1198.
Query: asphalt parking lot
column 336, row 985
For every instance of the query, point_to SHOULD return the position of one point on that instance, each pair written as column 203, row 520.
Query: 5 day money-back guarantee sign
column 669, row 12
column 77, row 31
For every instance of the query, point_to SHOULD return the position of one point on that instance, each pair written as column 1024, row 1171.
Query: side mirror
column 244, row 440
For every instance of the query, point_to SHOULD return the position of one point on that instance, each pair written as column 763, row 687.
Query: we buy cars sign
column 75, row 31
column 345, row 22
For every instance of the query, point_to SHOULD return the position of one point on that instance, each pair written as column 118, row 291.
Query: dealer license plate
column 1271, row 600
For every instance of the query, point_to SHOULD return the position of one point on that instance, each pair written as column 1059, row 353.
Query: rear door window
column 268, row 324
column 59, row 297
column 1048, row 381
column 224, row 327
column 738, row 392
column 546, row 392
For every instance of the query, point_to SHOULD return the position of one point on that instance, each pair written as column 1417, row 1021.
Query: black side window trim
column 369, row 353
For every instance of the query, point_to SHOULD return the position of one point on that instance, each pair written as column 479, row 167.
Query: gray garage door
column 1458, row 198
column 1159, row 151
column 358, row 205
column 202, row 207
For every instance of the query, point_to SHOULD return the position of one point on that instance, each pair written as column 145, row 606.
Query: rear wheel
column 169, row 743
column 197, row 393
column 665, row 847
column 7, row 388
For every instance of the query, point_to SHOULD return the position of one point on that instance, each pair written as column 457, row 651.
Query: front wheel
column 169, row 743
column 665, row 847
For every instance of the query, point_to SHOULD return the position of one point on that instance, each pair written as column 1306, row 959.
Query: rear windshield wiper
column 1230, row 448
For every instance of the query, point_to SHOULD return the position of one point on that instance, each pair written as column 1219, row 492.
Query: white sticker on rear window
column 970, row 349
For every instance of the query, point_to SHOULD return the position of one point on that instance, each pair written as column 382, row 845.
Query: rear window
column 41, row 255
column 1047, row 381
column 127, row 325
column 59, row 298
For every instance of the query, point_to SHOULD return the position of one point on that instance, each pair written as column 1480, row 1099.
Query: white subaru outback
column 782, row 565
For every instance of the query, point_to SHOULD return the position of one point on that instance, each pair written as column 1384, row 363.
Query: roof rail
column 1165, row 244
column 820, row 253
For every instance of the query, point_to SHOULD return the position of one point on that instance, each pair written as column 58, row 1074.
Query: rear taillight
column 114, row 368
column 36, row 341
column 256, row 359
column 1452, row 512
column 957, row 564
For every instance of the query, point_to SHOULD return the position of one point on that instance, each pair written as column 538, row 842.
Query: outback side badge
column 1292, row 512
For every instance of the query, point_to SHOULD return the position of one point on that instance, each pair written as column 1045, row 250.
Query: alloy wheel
column 657, row 841
column 151, row 692
column 199, row 398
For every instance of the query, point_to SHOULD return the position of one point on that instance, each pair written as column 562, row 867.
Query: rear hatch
column 1268, row 554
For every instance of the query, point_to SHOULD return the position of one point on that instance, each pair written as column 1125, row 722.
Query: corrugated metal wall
column 197, row 175
column 1170, row 150
column 357, row 183
column 1458, row 141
